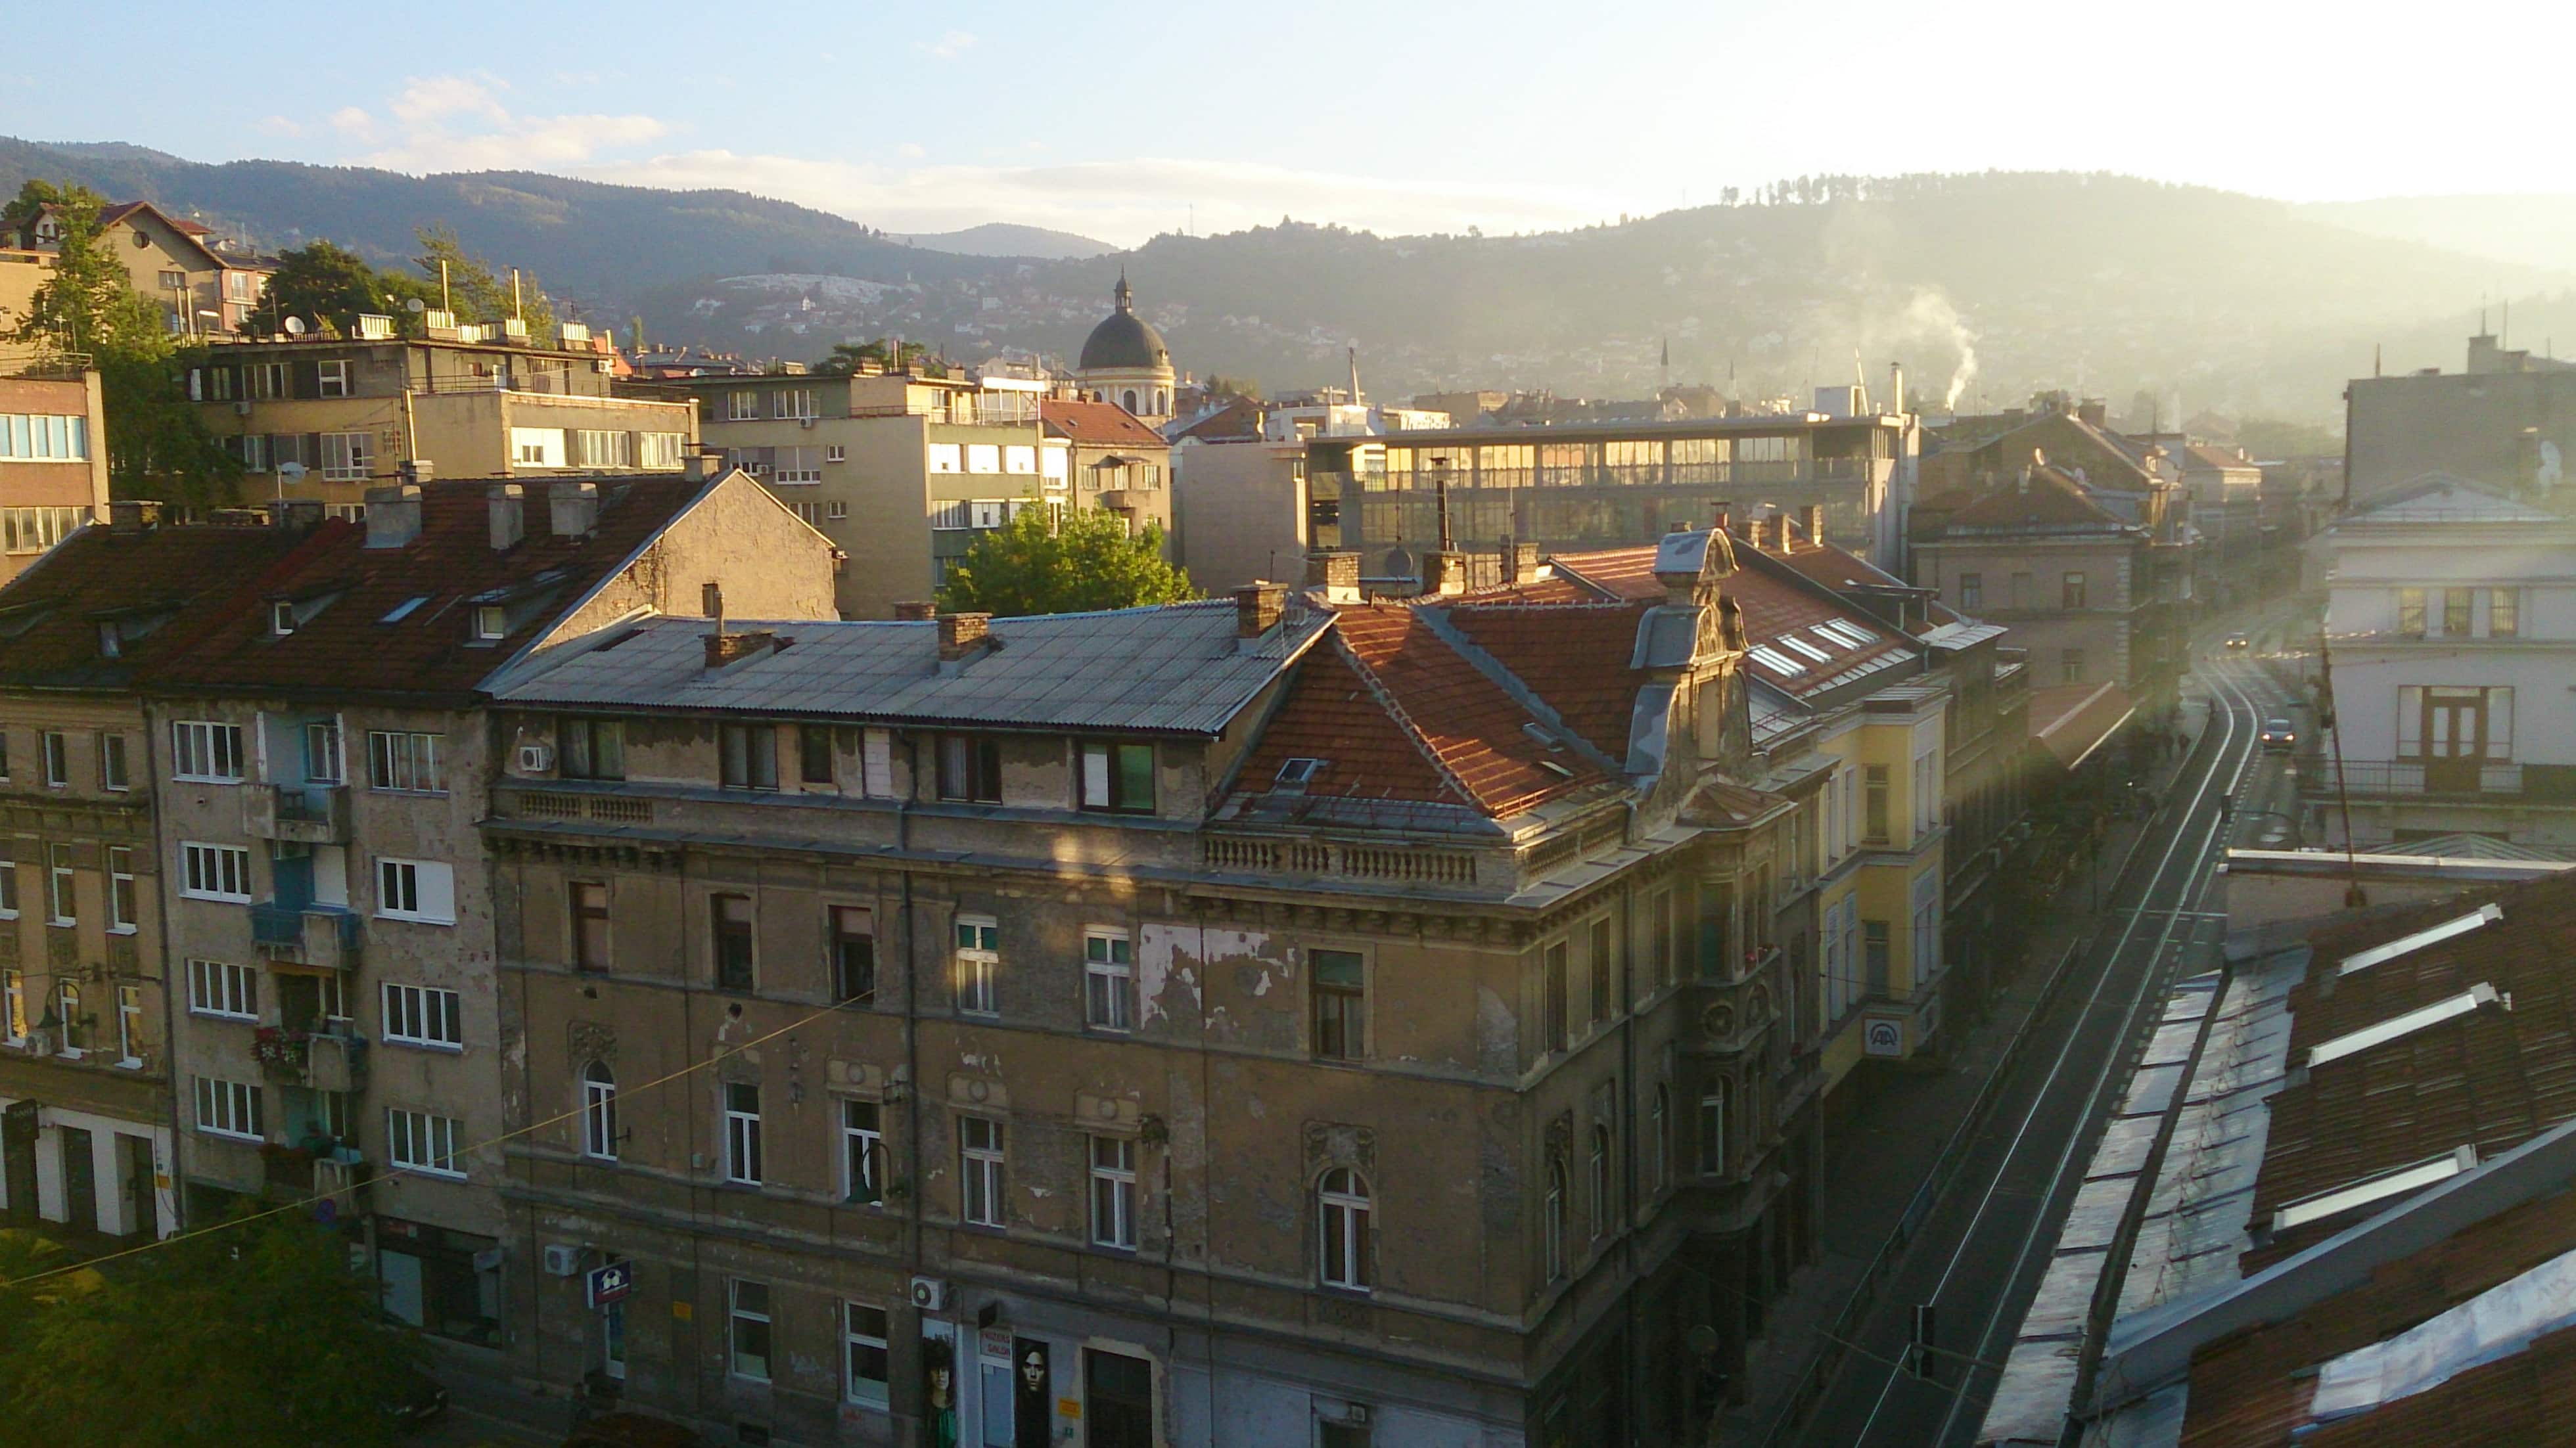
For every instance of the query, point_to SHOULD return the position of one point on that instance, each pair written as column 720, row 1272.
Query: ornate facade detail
column 592, row 1041
column 1332, row 1144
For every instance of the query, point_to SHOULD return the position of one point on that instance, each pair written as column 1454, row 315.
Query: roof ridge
column 1385, row 698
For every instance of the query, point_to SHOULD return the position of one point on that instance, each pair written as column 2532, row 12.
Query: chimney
column 572, row 509
column 1257, row 607
column 393, row 515
column 1780, row 531
column 133, row 516
column 1723, row 521
column 917, row 610
column 703, row 465
column 1815, row 523
column 961, row 634
column 414, row 470
column 724, row 648
column 2095, row 411
column 1444, row 573
column 509, row 516
column 1520, row 561
column 1337, row 573
column 295, row 515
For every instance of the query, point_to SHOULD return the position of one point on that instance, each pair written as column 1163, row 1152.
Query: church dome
column 1124, row 340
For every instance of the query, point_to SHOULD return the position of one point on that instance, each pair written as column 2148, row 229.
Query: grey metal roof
column 1176, row 669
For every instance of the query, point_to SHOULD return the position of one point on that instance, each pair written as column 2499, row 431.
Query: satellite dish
column 415, row 306
column 292, row 472
column 295, row 326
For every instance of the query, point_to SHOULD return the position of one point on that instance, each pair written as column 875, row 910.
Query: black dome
column 1124, row 340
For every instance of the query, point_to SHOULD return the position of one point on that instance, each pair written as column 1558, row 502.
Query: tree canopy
column 478, row 292
column 846, row 357
column 1088, row 560
column 333, row 284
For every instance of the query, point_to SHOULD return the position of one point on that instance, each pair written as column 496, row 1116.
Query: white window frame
column 120, row 871
column 214, row 872
column 863, row 1151
column 229, row 1109
column 204, row 751
column 68, row 1006
column 114, row 772
column 1113, row 1192
column 736, row 1314
column 982, row 1172
column 129, row 1025
column 331, row 379
column 348, row 457
column 404, row 890
column 8, row 889
column 425, row 1016
column 54, row 747
column 854, row 1340
column 406, row 762
column 834, row 452
column 427, row 1144
column 13, row 1007
column 223, row 990
column 1108, row 979
column 742, row 1143
column 599, row 1111
column 62, row 886
column 742, row 405
column 1352, row 1208
column 979, row 966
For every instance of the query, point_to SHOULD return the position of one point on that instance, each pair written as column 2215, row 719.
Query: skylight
column 2375, row 1189
column 1298, row 771
column 2497, row 1323
column 403, row 610
column 1810, row 650
column 2420, row 1018
column 1826, row 633
column 1859, row 636
column 1777, row 662
column 2379, row 954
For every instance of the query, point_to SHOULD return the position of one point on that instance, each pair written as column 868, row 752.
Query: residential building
column 1117, row 462
column 85, row 1065
column 204, row 287
column 1125, row 362
column 327, row 418
column 2506, row 423
column 321, row 759
column 2452, row 624
column 1276, row 1019
column 53, row 454
column 901, row 469
column 1240, row 513
column 1608, row 485
column 1976, row 453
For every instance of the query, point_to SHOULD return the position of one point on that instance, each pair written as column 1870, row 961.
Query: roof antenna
column 2354, row 897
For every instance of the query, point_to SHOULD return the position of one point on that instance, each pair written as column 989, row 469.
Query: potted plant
column 281, row 1052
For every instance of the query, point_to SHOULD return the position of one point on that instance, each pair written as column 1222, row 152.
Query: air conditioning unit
column 804, row 422
column 929, row 1294
column 536, row 758
column 604, row 367
column 241, row 406
column 562, row 1259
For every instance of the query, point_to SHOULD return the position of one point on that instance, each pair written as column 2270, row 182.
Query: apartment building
column 902, row 470
column 1117, row 462
column 2501, row 423
column 1605, row 485
column 204, row 286
column 326, row 418
column 1240, row 511
column 85, row 1099
column 1282, row 1019
column 53, row 454
column 2453, row 628
column 321, row 759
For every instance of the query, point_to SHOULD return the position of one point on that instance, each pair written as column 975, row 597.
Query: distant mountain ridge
column 1004, row 238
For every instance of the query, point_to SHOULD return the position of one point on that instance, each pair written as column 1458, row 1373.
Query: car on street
column 2278, row 735
column 2238, row 643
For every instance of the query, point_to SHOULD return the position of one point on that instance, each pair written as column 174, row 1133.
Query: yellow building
column 53, row 456
column 1880, row 906
column 203, row 286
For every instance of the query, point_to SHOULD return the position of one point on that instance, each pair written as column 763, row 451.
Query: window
column 217, row 989
column 2456, row 608
column 592, row 749
column 332, row 378
column 854, row 953
column 742, row 1133
column 1108, row 980
column 1972, row 590
column 836, row 511
column 1553, row 1007
column 228, row 1108
column 1712, row 1130
column 659, row 449
column 112, row 772
column 129, row 1025
column 58, row 760
column 214, row 872
column 1873, row 828
column 408, row 763
column 1341, row 1005
column 422, row 890
column 796, row 465
column 322, row 752
column 1601, row 1191
column 795, row 402
column 281, row 618
column 599, row 1111
column 1553, row 1221
column 41, row 437
column 589, row 925
column 2070, row 666
column 1927, row 790
column 61, row 903
column 814, row 753
column 2071, row 592
column 267, row 379
column 422, row 1142
column 13, row 1007
column 1342, row 1219
column 1874, row 962
column 834, row 452
column 491, row 621
column 209, row 753
column 970, row 768
column 2504, row 613
column 863, row 1330
column 2410, row 612
column 1113, row 1192
column 749, row 1329
column 33, row 530
column 597, row 449
column 4, row 755
column 417, row 1015
column 979, row 965
column 731, row 915
column 123, row 908
column 742, row 406
column 1599, row 965
column 67, row 1009
column 1118, row 777
column 537, row 447
column 943, row 458
column 983, row 457
column 979, row 1149
column 750, row 755
column 863, row 1153
column 347, row 457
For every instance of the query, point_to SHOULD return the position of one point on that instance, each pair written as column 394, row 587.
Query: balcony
column 318, row 1060
column 316, row 935
column 312, row 814
column 2449, row 780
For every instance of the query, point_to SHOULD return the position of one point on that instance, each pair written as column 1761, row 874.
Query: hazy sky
column 1114, row 120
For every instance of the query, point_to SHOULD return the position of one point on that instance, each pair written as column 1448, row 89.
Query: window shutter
column 196, row 384
column 877, row 762
column 437, row 891
column 313, row 449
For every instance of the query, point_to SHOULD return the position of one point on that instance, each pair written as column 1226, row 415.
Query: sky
column 1123, row 121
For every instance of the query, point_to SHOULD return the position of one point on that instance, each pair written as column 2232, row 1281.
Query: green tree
column 476, row 293
column 1034, row 564
column 1218, row 385
column 276, row 1343
column 846, row 357
column 87, row 305
column 334, row 284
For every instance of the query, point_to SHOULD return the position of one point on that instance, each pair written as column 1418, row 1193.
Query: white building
column 2452, row 616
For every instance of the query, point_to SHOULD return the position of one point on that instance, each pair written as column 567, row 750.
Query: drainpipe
column 169, row 1013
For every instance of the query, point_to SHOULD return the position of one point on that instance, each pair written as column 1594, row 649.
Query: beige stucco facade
column 54, row 480
column 1240, row 511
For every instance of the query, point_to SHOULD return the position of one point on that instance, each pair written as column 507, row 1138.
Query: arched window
column 1342, row 1202
column 1555, row 1219
column 1659, row 1137
column 67, row 1005
column 1712, row 1130
column 599, row 1111
column 1601, row 1193
column 1131, row 399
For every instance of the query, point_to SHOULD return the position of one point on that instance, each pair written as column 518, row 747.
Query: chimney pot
column 509, row 511
column 415, row 470
column 133, row 516
column 1444, row 573
column 1257, row 607
column 1335, row 571
column 916, row 610
column 393, row 515
column 1520, row 561
column 703, row 465
column 961, row 634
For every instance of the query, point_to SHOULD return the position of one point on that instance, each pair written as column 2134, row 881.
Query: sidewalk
column 1872, row 1170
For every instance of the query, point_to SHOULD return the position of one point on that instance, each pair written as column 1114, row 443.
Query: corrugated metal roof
column 1174, row 670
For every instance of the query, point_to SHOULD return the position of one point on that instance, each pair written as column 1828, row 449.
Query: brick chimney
column 572, row 509
column 1443, row 574
column 724, row 648
column 133, row 516
column 393, row 515
column 507, row 504
column 1337, row 573
column 2095, row 411
column 916, row 610
column 1520, row 561
column 1815, row 523
column 961, row 634
column 1257, row 607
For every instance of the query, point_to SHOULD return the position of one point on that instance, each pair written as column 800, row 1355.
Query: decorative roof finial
column 1126, row 298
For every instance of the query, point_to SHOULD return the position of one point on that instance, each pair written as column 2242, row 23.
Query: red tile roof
column 1331, row 714
column 165, row 587
column 1573, row 657
column 2052, row 500
column 1465, row 719
column 353, row 645
column 1775, row 609
column 1097, row 424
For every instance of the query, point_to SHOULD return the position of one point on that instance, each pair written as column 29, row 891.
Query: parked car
column 2238, row 643
column 2277, row 734
column 632, row 1430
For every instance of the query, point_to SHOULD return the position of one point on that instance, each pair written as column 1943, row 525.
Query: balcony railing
column 313, row 814
column 2449, row 779
column 317, row 935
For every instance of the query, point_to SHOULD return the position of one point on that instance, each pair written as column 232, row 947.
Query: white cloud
column 949, row 46
column 354, row 122
column 430, row 98
column 910, row 151
column 458, row 123
column 280, row 126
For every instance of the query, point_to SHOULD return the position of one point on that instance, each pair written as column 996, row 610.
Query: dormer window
column 491, row 621
column 1298, row 773
column 281, row 618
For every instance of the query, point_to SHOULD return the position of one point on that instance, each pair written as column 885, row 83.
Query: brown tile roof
column 2492, row 1078
column 353, row 644
column 1099, row 424
column 1465, row 719
column 165, row 587
column 1775, row 609
column 2053, row 500
column 1331, row 714
column 1573, row 657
